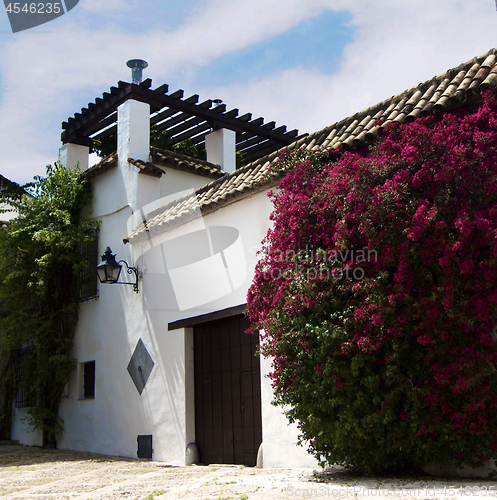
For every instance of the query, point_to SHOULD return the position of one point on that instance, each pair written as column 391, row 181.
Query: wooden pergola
column 182, row 118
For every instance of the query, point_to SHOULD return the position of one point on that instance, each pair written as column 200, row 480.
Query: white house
column 170, row 364
column 9, row 213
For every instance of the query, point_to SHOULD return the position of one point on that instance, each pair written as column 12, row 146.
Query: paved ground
column 33, row 473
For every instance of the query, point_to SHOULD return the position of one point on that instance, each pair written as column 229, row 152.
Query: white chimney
column 72, row 154
column 133, row 141
column 220, row 146
column 133, row 130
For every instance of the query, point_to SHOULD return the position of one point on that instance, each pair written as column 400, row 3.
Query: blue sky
column 303, row 43
column 303, row 64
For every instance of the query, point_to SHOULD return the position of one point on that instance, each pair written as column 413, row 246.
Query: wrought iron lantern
column 108, row 270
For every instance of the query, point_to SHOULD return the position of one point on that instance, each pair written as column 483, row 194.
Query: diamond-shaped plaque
column 140, row 366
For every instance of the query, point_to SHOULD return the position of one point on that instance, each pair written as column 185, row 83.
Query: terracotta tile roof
column 163, row 158
column 216, row 193
column 108, row 163
column 156, row 167
column 458, row 87
column 146, row 167
column 176, row 213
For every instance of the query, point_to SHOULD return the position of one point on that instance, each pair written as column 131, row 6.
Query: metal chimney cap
column 137, row 63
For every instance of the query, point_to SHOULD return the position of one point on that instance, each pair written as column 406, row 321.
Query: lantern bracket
column 130, row 270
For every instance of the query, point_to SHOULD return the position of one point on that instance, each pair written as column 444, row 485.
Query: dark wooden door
column 228, row 422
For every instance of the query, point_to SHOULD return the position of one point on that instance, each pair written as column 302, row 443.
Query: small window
column 88, row 380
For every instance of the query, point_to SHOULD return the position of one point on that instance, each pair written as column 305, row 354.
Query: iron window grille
column 87, row 287
column 24, row 365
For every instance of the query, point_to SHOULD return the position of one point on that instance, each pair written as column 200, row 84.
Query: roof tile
column 461, row 86
column 490, row 81
column 101, row 167
column 177, row 161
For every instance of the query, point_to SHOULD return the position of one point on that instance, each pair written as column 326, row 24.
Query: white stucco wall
column 250, row 217
column 279, row 437
column 7, row 216
column 21, row 432
column 110, row 327
column 174, row 181
column 108, row 331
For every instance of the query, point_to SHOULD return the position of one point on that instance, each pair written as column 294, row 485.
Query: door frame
column 187, row 325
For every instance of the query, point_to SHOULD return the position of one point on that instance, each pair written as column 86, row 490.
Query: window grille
column 87, row 278
column 24, row 364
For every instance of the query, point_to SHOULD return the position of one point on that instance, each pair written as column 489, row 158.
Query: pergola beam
column 182, row 118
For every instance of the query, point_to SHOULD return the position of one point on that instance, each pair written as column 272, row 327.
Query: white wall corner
column 72, row 154
column 220, row 146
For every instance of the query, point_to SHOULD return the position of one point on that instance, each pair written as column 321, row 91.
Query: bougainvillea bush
column 377, row 292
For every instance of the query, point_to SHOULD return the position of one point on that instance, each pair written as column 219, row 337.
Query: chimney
column 72, row 154
column 220, row 146
column 133, row 121
column 133, row 141
column 133, row 130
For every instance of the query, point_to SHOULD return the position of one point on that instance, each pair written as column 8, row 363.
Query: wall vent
column 144, row 446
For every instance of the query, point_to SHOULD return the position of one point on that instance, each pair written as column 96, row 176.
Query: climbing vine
column 41, row 259
column 377, row 292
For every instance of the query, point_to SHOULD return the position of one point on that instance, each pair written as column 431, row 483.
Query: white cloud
column 397, row 44
column 42, row 74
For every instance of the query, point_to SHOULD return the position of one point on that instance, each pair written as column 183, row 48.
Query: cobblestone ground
column 34, row 473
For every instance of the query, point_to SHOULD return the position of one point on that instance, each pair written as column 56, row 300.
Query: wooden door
column 228, row 422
